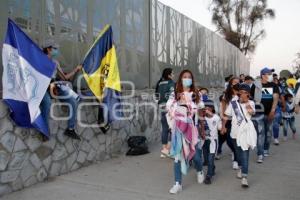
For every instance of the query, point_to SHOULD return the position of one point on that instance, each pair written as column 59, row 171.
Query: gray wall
column 149, row 37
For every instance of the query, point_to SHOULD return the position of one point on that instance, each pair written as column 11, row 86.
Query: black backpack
column 137, row 146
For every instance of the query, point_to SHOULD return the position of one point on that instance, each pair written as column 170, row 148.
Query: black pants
column 226, row 137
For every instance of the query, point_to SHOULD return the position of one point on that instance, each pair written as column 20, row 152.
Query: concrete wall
column 26, row 160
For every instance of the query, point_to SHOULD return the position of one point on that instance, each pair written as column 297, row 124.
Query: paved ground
column 149, row 177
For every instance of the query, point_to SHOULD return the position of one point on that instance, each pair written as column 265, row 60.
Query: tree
column 296, row 65
column 241, row 21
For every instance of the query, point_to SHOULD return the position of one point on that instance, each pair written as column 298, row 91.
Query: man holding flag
column 100, row 69
column 27, row 73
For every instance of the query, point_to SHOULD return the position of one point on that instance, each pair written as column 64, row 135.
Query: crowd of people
column 250, row 113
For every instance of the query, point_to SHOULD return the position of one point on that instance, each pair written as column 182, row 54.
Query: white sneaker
column 176, row 189
column 276, row 142
column 285, row 138
column 245, row 183
column 239, row 174
column 260, row 159
column 200, row 177
column 235, row 165
column 266, row 153
column 162, row 156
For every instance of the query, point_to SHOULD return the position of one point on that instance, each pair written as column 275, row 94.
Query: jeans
column 243, row 159
column 276, row 124
column 73, row 104
column 210, row 159
column 229, row 141
column 165, row 129
column 288, row 122
column 197, row 160
column 268, row 129
column 264, row 129
column 258, row 122
column 45, row 106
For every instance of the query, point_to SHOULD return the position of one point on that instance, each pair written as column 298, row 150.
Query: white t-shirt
column 214, row 124
column 236, row 120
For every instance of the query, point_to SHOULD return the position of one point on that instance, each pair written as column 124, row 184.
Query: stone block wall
column 26, row 160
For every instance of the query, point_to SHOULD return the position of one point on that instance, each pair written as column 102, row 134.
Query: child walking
column 289, row 116
column 241, row 111
column 210, row 146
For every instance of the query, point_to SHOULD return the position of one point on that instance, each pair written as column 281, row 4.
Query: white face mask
column 270, row 78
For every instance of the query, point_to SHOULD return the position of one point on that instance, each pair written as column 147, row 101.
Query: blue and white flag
column 27, row 73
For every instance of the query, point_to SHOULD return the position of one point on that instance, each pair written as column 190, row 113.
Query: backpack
column 137, row 146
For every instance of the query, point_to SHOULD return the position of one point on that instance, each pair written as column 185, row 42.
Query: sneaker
column 260, row 159
column 266, row 153
column 276, row 142
column 239, row 174
column 235, row 165
column 285, row 138
column 72, row 134
column 207, row 180
column 165, row 152
column 162, row 156
column 200, row 177
column 218, row 157
column 245, row 183
column 176, row 189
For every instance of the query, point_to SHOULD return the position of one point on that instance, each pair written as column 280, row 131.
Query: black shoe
column 105, row 128
column 207, row 180
column 72, row 134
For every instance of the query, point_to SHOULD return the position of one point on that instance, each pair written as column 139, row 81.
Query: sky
column 277, row 50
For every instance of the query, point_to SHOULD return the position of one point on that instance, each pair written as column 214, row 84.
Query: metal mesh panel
column 149, row 37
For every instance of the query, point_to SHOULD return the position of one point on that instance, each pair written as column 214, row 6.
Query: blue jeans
column 243, row 159
column 45, row 106
column 165, row 129
column 288, row 122
column 268, row 129
column 264, row 129
column 258, row 122
column 210, row 157
column 73, row 104
column 276, row 124
column 197, row 160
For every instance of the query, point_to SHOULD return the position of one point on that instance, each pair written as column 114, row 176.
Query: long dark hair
column 179, row 87
column 165, row 76
column 229, row 90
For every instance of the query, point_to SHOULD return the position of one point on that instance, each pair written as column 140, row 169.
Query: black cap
column 245, row 87
column 210, row 104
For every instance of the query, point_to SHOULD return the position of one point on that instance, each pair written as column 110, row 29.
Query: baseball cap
column 245, row 87
column 210, row 104
column 266, row 70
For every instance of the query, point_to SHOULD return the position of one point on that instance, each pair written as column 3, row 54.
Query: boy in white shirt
column 213, row 124
column 243, row 131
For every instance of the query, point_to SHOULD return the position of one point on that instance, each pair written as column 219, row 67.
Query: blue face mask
column 204, row 97
column 54, row 53
column 187, row 82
